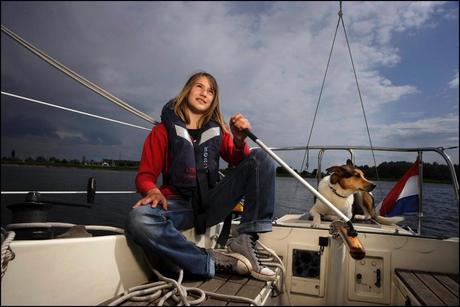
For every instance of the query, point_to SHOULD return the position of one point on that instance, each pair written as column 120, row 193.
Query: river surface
column 440, row 209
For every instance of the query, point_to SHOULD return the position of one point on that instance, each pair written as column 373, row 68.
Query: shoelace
column 253, row 246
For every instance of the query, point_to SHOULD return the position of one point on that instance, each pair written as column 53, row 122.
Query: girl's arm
column 153, row 159
column 230, row 153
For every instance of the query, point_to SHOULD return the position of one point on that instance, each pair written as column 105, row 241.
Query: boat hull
column 76, row 271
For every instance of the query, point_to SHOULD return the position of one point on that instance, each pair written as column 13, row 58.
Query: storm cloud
column 268, row 57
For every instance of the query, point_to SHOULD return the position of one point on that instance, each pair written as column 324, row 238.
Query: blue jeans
column 159, row 231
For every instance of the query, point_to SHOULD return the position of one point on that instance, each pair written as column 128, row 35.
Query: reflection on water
column 440, row 209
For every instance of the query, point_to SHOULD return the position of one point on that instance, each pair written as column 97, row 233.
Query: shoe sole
column 254, row 274
column 262, row 277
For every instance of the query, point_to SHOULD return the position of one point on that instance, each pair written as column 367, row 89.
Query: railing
column 419, row 151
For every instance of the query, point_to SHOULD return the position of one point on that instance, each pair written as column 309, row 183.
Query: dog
column 346, row 187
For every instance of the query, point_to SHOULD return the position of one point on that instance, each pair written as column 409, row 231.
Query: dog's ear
column 336, row 172
column 340, row 171
column 349, row 163
column 334, row 169
column 334, row 178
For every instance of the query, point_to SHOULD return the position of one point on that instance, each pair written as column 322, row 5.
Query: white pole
column 297, row 176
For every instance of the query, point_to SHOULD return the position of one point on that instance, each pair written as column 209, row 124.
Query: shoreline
column 134, row 169
column 109, row 168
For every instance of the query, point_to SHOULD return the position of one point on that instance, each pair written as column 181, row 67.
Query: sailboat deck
column 236, row 285
column 429, row 288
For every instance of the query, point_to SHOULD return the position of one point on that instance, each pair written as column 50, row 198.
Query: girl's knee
column 135, row 215
column 263, row 159
column 258, row 154
column 141, row 217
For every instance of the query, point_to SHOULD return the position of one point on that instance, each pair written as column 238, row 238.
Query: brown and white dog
column 339, row 188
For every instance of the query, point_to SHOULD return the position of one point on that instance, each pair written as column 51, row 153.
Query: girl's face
column 201, row 96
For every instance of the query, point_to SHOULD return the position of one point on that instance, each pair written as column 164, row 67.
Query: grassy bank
column 71, row 165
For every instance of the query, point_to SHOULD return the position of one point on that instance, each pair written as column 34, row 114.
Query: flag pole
column 420, row 196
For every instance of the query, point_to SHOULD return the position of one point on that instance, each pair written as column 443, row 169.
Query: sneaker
column 245, row 245
column 230, row 262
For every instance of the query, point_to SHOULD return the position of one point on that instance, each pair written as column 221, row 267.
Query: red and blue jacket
column 169, row 150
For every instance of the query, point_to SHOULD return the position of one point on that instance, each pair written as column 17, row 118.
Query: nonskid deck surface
column 237, row 285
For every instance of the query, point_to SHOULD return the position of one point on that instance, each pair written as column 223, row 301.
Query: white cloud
column 454, row 82
column 269, row 63
column 445, row 129
column 381, row 19
column 69, row 134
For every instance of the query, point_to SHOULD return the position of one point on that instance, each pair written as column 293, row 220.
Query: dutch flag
column 404, row 196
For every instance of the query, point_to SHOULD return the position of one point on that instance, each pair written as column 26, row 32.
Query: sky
column 269, row 59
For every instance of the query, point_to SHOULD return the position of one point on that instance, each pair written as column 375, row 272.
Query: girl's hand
column 237, row 124
column 155, row 197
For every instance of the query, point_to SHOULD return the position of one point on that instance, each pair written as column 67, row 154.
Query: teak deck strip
column 221, row 283
column 233, row 285
column 431, row 288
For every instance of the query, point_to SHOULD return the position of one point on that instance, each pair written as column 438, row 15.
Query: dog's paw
column 316, row 223
column 360, row 217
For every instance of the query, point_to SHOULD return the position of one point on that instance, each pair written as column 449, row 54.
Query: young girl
column 185, row 147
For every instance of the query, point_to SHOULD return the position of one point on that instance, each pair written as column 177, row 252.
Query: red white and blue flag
column 404, row 196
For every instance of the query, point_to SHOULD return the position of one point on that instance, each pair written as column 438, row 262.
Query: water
column 440, row 209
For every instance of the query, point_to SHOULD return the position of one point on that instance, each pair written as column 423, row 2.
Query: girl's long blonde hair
column 213, row 113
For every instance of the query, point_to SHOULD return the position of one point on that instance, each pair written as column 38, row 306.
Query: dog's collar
column 335, row 191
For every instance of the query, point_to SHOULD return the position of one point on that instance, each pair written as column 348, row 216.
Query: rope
column 73, row 110
column 7, row 252
column 267, row 252
column 97, row 89
column 157, row 293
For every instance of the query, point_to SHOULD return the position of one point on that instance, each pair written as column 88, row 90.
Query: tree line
column 390, row 171
column 386, row 170
column 53, row 161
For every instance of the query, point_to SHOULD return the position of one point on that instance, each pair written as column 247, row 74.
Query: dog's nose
column 371, row 186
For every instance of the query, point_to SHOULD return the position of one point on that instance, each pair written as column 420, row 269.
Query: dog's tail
column 368, row 203
column 388, row 220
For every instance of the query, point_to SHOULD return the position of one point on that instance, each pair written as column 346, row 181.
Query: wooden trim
column 431, row 288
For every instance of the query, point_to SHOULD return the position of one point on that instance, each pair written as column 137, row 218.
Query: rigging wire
column 360, row 99
column 73, row 110
column 59, row 66
column 306, row 155
column 307, row 150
